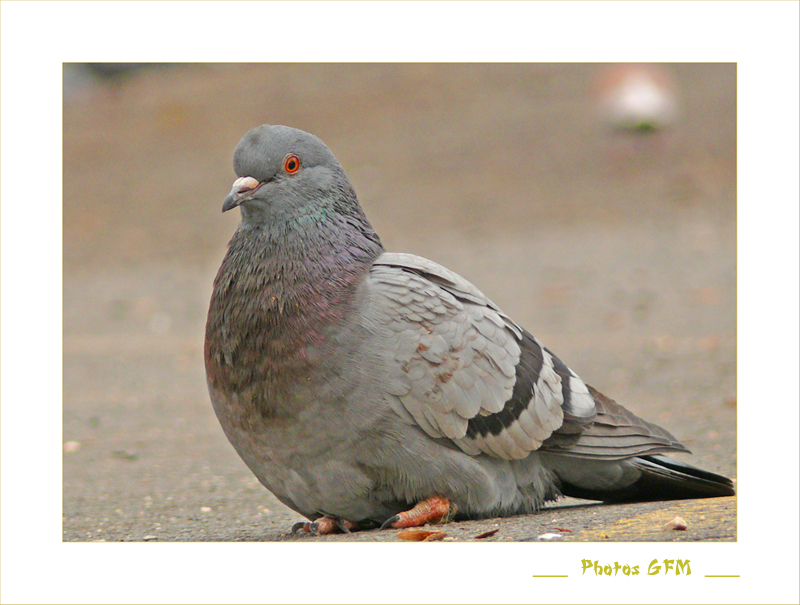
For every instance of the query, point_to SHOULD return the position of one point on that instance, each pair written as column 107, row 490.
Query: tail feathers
column 682, row 479
column 658, row 478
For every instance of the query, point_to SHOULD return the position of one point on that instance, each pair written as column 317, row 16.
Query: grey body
column 355, row 382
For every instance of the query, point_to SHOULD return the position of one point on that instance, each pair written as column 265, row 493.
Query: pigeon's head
column 283, row 172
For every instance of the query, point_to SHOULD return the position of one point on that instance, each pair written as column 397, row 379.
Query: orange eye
column 291, row 163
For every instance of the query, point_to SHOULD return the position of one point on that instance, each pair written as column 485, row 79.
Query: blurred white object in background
column 639, row 97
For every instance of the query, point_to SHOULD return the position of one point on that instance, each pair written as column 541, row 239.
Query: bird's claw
column 436, row 509
column 324, row 525
column 342, row 525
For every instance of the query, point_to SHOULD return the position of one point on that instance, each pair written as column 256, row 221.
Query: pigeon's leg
column 325, row 525
column 436, row 509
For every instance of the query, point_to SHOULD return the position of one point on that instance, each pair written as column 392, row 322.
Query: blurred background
column 596, row 204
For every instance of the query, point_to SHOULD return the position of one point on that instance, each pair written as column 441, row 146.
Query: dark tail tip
column 685, row 480
column 662, row 478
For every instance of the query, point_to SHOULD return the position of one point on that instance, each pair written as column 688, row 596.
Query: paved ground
column 618, row 251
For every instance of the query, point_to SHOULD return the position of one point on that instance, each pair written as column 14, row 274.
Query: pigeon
column 370, row 389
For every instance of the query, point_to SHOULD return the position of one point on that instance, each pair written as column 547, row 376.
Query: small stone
column 70, row 447
column 205, row 509
column 150, row 538
column 676, row 524
column 549, row 536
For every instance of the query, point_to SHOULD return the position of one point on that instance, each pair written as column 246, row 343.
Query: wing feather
column 459, row 366
column 463, row 370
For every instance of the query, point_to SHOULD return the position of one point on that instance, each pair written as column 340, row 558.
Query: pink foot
column 436, row 509
column 325, row 525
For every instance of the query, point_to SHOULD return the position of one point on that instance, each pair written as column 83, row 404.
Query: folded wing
column 464, row 370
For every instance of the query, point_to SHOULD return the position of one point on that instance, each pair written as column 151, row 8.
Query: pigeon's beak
column 242, row 190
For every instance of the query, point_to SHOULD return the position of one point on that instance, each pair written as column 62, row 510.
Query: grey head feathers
column 286, row 174
column 260, row 152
